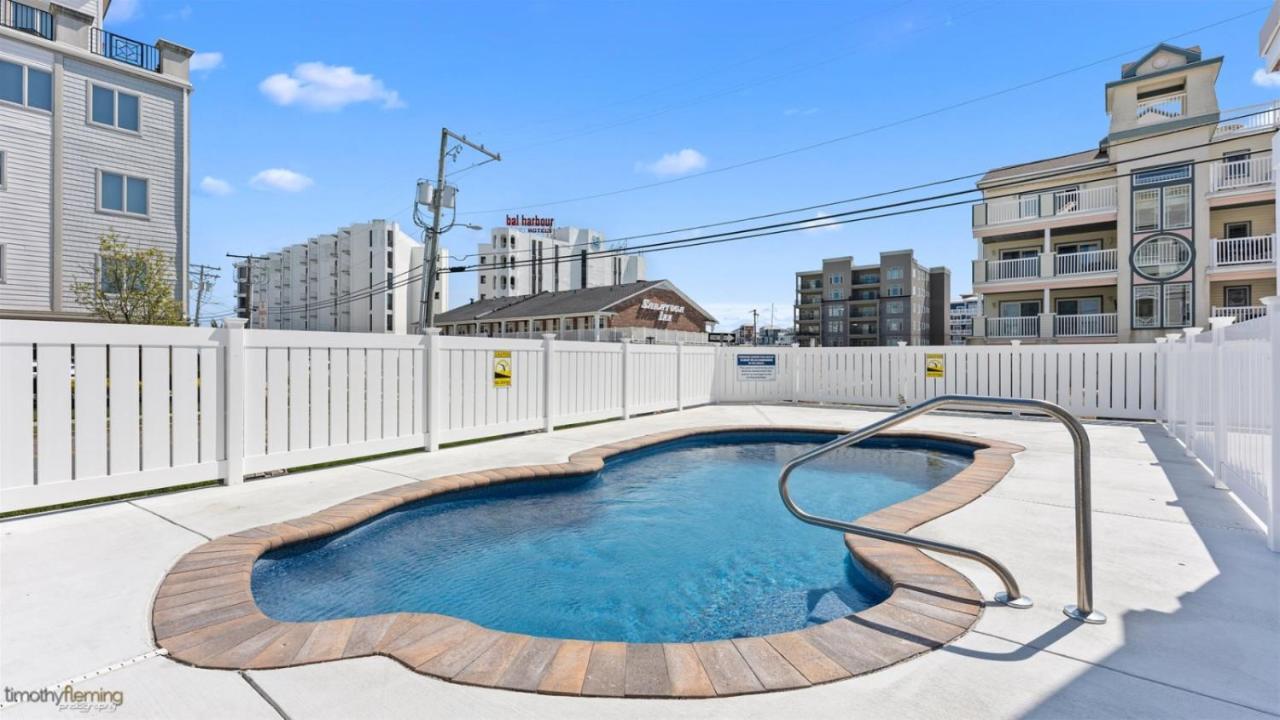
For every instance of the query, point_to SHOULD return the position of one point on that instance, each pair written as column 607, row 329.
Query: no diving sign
column 757, row 366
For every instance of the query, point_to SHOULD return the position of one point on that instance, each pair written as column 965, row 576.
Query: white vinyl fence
column 93, row 410
column 1219, row 401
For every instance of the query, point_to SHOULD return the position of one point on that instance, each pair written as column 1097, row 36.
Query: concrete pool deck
column 1182, row 573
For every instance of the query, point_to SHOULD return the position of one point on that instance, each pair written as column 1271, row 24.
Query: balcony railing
column 1013, row 327
column 1242, row 121
column 1238, row 174
column 26, row 19
column 1241, row 314
column 1165, row 107
column 1090, row 325
column 1245, row 250
column 1014, row 269
column 126, row 50
column 1084, row 263
column 1057, row 203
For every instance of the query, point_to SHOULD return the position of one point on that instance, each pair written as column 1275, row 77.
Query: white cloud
column 1262, row 78
column 318, row 86
column 122, row 10
column 206, row 60
column 280, row 179
column 214, row 186
column 731, row 315
column 820, row 223
column 792, row 112
column 677, row 163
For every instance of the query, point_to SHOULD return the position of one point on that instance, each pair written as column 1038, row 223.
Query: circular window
column 1161, row 257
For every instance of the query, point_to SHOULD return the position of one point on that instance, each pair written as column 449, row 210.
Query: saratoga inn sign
column 666, row 311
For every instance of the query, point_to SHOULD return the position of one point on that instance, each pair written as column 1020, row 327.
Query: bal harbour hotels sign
column 531, row 223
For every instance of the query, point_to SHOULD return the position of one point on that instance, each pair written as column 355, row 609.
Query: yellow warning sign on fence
column 934, row 365
column 502, row 368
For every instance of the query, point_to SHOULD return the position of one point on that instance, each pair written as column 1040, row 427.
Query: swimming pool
column 680, row 542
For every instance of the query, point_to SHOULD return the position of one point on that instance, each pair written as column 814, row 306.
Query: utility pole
column 437, row 198
column 755, row 326
column 203, row 276
column 252, row 277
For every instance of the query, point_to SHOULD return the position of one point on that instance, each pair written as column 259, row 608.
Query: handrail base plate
column 1093, row 618
column 1019, row 603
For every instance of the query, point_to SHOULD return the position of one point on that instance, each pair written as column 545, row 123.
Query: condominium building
column 895, row 300
column 962, row 313
column 523, row 259
column 94, row 139
column 1169, row 221
column 361, row 278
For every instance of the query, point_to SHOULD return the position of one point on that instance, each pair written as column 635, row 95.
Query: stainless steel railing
column 1083, row 609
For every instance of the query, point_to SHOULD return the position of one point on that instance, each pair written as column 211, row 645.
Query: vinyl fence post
column 626, row 379
column 1175, row 402
column 430, row 389
column 901, row 367
column 1193, row 403
column 233, row 386
column 1219, row 399
column 1017, row 350
column 549, row 380
column 679, row 375
column 1273, row 493
column 1162, row 382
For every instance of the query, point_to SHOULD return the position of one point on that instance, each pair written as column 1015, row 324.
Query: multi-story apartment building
column 963, row 311
column 1169, row 221
column 94, row 138
column 523, row 262
column 362, row 278
column 896, row 300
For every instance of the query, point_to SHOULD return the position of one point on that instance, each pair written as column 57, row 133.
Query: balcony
column 1052, row 204
column 25, row 18
column 1013, row 327
column 1091, row 325
column 1255, row 249
column 1241, row 314
column 1246, row 120
column 1014, row 269
column 1159, row 109
column 1084, row 263
column 125, row 50
column 1234, row 175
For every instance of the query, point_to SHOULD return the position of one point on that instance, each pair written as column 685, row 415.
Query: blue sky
column 308, row 116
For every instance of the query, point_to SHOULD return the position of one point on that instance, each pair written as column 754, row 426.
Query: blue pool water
column 680, row 542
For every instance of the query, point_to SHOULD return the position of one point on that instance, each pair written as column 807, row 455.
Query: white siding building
column 361, row 278
column 522, row 262
column 94, row 138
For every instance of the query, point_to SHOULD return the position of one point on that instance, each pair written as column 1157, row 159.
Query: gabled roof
column 564, row 302
column 1192, row 55
column 1082, row 160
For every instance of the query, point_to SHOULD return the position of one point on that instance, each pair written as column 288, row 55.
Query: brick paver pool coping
column 204, row 613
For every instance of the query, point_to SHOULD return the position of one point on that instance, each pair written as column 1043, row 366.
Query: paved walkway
column 1183, row 574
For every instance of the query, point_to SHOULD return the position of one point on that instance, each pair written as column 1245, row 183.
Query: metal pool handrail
column 1083, row 609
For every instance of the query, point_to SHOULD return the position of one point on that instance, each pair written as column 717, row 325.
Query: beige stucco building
column 1169, row 221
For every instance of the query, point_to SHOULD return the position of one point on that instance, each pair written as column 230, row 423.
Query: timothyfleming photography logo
column 68, row 698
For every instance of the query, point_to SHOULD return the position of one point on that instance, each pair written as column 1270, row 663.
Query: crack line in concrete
column 1126, row 673
column 996, row 494
column 263, row 693
column 168, row 520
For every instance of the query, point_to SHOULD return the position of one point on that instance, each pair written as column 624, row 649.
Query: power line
column 866, row 131
column 920, row 186
column 892, row 210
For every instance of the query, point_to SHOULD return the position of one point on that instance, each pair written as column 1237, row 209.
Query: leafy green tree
column 132, row 285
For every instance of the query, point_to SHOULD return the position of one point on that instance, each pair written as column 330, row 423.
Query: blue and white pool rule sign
column 757, row 366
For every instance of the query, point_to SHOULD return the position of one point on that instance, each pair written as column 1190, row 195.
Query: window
column 1146, row 210
column 2, row 175
column 1230, row 230
column 835, row 279
column 893, row 308
column 1079, row 306
column 893, row 273
column 482, row 279
column 1078, row 247
column 835, row 295
column 1162, row 175
column 1019, row 253
column 1177, row 207
column 114, row 108
column 1156, row 306
column 893, row 325
column 1019, row 308
column 122, row 193
column 113, row 275
column 24, row 85
column 835, row 311
column 833, row 327
column 3, row 263
column 894, row 291
column 1236, row 296
column 1161, row 257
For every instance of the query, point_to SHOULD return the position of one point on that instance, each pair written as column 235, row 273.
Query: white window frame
column 26, row 88
column 115, row 108
column 1159, row 293
column 4, row 171
column 893, row 308
column 1154, row 193
column 124, row 195
column 893, row 273
column 4, row 264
